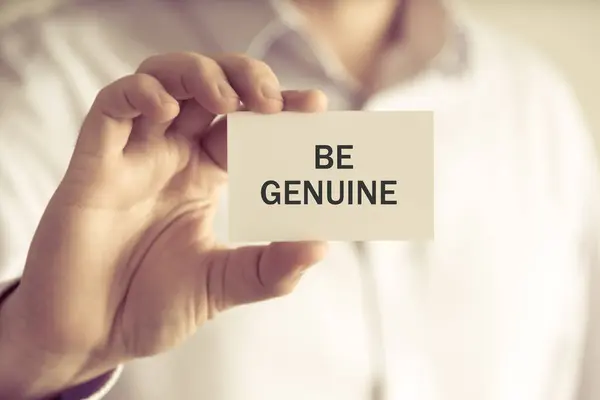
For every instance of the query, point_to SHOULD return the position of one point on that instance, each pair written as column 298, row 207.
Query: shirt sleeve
column 577, row 170
column 95, row 389
column 581, row 171
column 589, row 387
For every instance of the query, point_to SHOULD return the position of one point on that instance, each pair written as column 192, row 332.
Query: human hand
column 124, row 263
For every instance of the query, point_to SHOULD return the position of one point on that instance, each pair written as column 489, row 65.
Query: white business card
column 347, row 176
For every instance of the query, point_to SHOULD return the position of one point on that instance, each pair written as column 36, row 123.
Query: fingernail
column 227, row 91
column 166, row 98
column 169, row 104
column 303, row 269
column 271, row 92
column 171, row 108
column 295, row 278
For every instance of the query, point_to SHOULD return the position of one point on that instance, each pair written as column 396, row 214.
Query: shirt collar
column 256, row 25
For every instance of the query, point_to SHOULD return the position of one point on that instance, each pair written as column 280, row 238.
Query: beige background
column 568, row 31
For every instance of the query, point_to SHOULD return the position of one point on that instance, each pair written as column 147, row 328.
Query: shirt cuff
column 95, row 389
column 6, row 288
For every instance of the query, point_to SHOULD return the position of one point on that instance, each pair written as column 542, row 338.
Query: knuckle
column 111, row 94
column 248, row 64
column 253, row 66
column 134, row 82
column 146, row 64
column 142, row 82
column 200, row 65
column 104, row 93
column 137, row 88
column 150, row 62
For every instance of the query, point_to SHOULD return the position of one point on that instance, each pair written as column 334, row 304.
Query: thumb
column 254, row 273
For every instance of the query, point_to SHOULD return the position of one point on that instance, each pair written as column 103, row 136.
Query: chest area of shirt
column 501, row 274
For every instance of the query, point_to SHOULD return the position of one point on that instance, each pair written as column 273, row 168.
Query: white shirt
column 496, row 308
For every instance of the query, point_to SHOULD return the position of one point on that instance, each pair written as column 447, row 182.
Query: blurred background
column 566, row 31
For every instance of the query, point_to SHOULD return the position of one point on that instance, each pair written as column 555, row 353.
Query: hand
column 124, row 263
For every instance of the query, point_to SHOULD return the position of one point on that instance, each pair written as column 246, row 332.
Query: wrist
column 26, row 371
